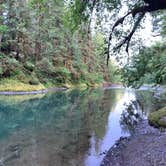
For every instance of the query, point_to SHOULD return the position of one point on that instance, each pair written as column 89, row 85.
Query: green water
column 72, row 128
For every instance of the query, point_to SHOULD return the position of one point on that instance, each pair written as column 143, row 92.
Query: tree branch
column 128, row 38
column 151, row 5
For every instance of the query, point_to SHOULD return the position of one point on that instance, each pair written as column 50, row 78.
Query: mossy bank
column 10, row 85
column 158, row 118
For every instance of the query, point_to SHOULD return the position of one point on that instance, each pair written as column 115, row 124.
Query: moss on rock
column 158, row 118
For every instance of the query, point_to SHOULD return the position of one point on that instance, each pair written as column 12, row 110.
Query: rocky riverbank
column 146, row 147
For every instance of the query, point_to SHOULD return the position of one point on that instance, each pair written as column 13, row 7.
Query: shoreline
column 56, row 88
column 145, row 147
column 32, row 92
column 105, row 86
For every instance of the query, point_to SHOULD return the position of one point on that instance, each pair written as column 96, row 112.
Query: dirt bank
column 147, row 147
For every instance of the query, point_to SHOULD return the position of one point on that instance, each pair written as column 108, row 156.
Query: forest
column 42, row 46
column 63, row 43
column 109, row 57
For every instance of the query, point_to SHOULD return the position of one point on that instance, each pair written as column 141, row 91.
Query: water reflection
column 99, row 147
column 64, row 128
column 131, row 115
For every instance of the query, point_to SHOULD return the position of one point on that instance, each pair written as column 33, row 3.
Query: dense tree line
column 41, row 42
column 146, row 64
column 56, row 42
column 149, row 67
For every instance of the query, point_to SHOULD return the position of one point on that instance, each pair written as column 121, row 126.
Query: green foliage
column 46, row 41
column 2, row 55
column 63, row 75
column 12, row 61
column 80, row 12
column 1, row 70
column 29, row 66
column 75, row 14
column 52, row 40
column 159, row 23
column 45, row 65
column 63, row 70
column 114, row 72
column 34, row 82
column 96, row 78
column 100, row 46
column 3, row 28
column 149, row 66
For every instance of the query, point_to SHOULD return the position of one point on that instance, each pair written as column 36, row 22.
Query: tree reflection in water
column 67, row 128
column 130, row 117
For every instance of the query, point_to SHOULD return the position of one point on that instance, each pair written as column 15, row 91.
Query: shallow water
column 72, row 128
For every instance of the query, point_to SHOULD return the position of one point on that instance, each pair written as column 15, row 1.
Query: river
column 71, row 128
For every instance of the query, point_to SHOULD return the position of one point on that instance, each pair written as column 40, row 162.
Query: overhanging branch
column 151, row 5
column 128, row 38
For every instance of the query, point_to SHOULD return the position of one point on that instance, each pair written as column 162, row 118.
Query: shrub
column 3, row 28
column 33, row 82
column 29, row 66
column 45, row 65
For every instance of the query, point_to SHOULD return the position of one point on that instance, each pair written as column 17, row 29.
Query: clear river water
column 69, row 128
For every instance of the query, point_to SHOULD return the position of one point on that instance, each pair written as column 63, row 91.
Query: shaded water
column 74, row 128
